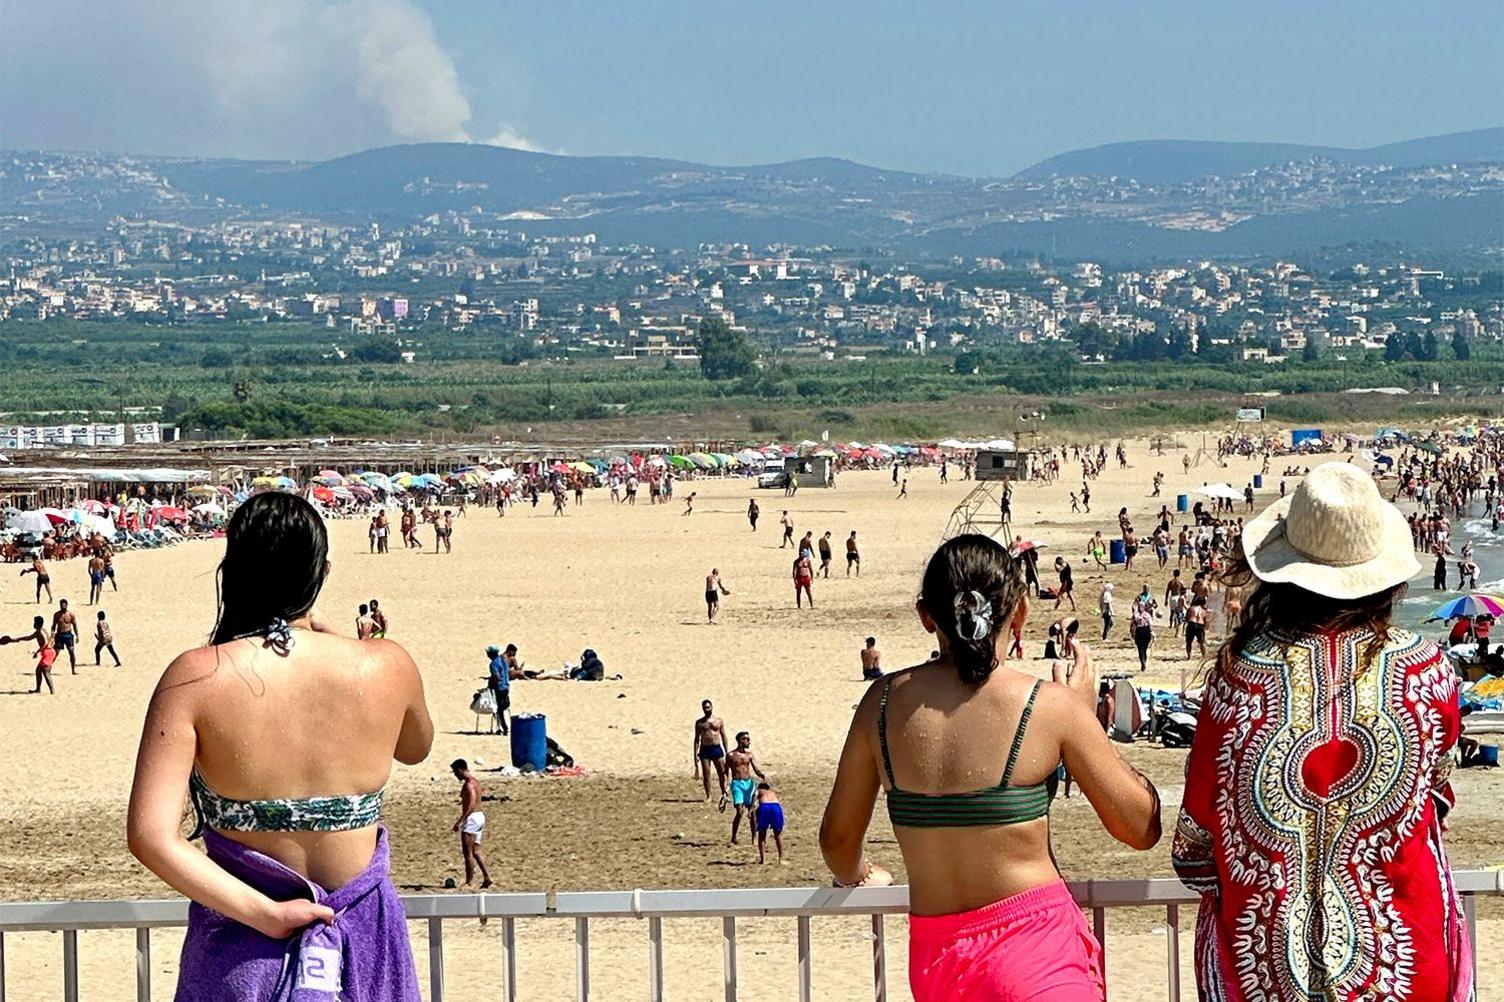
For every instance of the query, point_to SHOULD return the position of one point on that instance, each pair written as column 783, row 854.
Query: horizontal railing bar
column 44, row 916
column 47, row 916
column 738, row 902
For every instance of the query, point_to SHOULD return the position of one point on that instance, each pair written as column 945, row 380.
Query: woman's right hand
column 285, row 918
column 1080, row 678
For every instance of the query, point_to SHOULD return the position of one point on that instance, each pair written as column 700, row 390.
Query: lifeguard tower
column 981, row 512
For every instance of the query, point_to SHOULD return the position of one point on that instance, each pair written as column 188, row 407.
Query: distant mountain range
column 1175, row 161
column 1121, row 203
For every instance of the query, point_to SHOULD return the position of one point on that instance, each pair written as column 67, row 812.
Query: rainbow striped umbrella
column 1470, row 605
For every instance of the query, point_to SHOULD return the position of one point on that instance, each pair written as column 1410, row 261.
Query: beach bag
column 484, row 701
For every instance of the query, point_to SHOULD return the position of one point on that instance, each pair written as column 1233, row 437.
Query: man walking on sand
column 710, row 749
column 471, row 824
column 788, row 529
column 714, row 589
column 804, row 576
column 742, row 765
column 853, row 558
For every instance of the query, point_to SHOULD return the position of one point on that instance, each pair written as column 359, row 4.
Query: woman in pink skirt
column 990, row 917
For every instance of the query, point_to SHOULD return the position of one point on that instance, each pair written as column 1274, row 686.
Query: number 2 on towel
column 319, row 969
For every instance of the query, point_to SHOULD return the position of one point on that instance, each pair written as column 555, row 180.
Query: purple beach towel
column 364, row 956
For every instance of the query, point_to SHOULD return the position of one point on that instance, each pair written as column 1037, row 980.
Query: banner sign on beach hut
column 1299, row 435
column 1250, row 414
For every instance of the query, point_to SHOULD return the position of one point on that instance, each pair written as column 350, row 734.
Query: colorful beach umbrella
column 1470, row 605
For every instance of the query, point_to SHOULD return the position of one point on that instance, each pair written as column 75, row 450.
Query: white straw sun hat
column 1334, row 535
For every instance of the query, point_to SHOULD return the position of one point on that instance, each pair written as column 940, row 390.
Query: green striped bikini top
column 996, row 805
column 310, row 814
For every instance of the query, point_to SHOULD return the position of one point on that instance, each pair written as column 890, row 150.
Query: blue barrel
column 1182, row 503
column 530, row 741
column 1258, row 481
column 1488, row 754
column 1119, row 555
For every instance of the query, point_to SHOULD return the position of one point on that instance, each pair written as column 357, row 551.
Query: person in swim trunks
column 45, row 652
column 1096, row 548
column 65, row 633
column 710, row 750
column 714, row 589
column 471, row 824
column 853, row 557
column 804, row 576
column 769, row 819
column 743, row 764
column 108, row 553
column 44, row 580
column 96, row 578
column 825, row 552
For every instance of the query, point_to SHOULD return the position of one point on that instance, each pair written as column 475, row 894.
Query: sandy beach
column 628, row 582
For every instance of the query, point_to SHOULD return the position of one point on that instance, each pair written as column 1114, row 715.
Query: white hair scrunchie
column 975, row 603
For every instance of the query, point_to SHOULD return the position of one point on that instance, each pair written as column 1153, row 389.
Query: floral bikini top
column 310, row 814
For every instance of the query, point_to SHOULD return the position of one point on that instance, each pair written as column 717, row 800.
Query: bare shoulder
column 1057, row 706
column 188, row 674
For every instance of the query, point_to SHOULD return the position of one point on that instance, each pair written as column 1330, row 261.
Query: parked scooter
column 1173, row 728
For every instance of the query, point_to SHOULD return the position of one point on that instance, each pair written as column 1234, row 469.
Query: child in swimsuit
column 769, row 818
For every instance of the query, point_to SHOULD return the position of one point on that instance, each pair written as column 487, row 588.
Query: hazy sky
column 963, row 87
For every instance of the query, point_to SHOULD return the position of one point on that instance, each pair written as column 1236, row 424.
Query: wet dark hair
column 961, row 566
column 459, row 765
column 1293, row 610
column 276, row 557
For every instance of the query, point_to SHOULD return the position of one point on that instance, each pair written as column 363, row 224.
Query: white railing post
column 509, row 955
column 143, row 964
column 728, row 941
column 70, row 965
column 436, row 960
column 655, row 959
column 2, row 967
column 1172, row 951
column 879, row 960
column 582, row 959
column 806, row 971
column 1469, row 913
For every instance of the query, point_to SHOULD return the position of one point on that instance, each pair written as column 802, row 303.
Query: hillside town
column 574, row 294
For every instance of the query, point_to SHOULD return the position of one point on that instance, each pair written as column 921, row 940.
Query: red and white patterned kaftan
column 1311, row 824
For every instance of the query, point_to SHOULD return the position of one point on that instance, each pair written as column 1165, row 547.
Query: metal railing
column 802, row 904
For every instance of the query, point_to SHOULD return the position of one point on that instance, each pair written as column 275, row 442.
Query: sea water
column 1488, row 553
